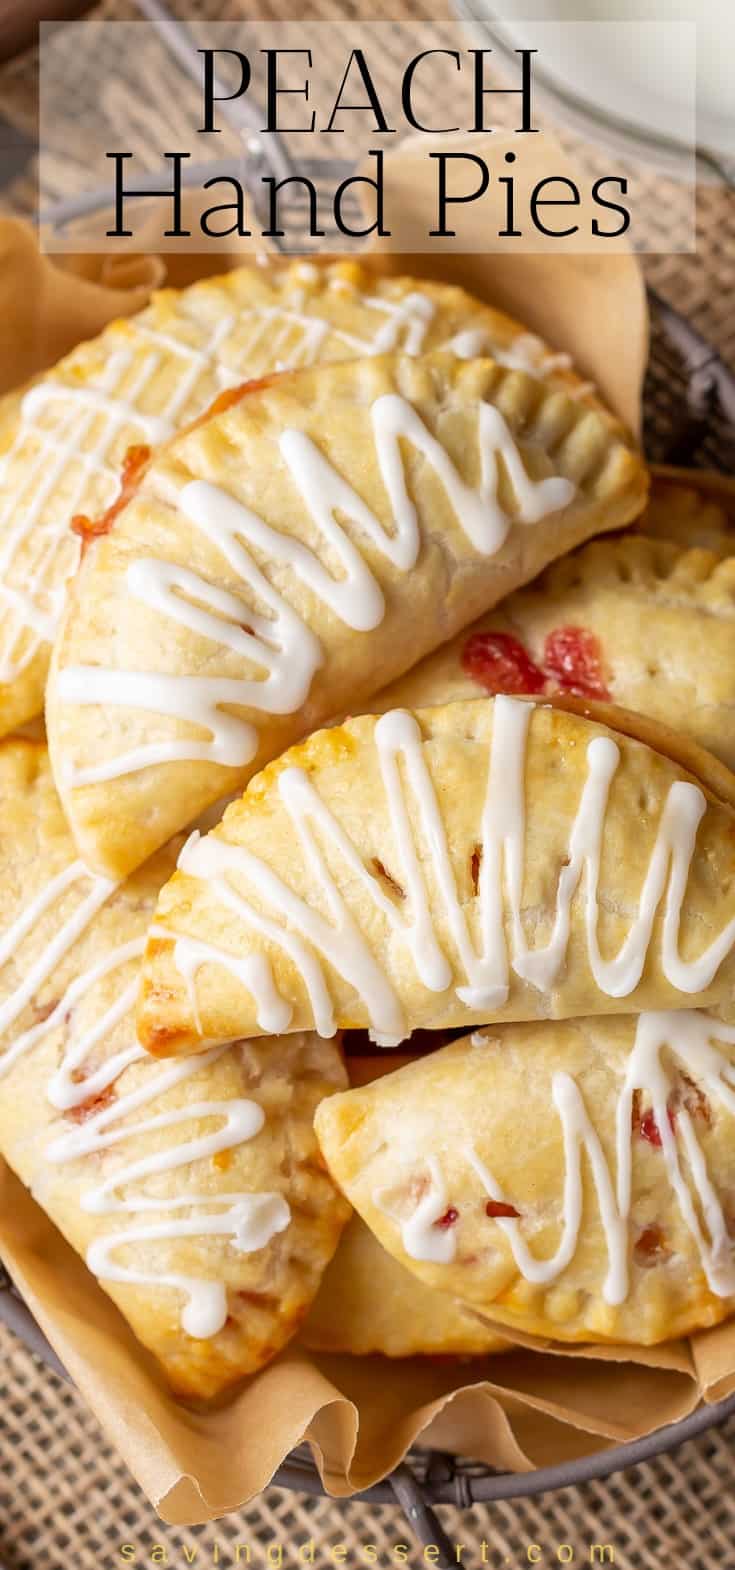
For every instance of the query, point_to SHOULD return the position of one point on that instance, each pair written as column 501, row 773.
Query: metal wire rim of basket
column 689, row 419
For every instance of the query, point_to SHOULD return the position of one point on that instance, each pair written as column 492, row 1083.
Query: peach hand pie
column 306, row 543
column 370, row 1303
column 488, row 860
column 573, row 1180
column 63, row 441
column 195, row 1191
column 643, row 623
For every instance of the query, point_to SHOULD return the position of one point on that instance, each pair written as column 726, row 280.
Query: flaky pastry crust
column 642, row 623
column 435, row 869
column 199, row 1200
column 572, row 1180
column 310, row 540
column 63, row 441
column 369, row 1303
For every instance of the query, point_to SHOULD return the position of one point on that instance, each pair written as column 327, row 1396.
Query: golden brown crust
column 459, row 1166
column 167, row 364
column 642, row 622
column 135, row 767
column 148, row 1174
column 369, row 1303
column 224, row 893
column 716, row 778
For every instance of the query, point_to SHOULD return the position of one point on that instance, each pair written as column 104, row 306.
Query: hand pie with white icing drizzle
column 489, row 860
column 297, row 549
column 573, row 1180
column 63, row 440
column 195, row 1190
column 642, row 623
column 369, row 1303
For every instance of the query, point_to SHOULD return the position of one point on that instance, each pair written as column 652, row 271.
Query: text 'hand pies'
column 490, row 860
column 574, row 1180
column 642, row 623
column 195, row 1191
column 63, row 441
column 306, row 543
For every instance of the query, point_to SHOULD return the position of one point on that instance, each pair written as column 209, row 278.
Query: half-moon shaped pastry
column 574, row 1180
column 490, row 860
column 195, row 1191
column 63, row 441
column 306, row 543
column 638, row 622
column 369, row 1303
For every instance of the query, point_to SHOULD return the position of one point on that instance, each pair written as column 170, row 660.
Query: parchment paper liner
column 517, row 1410
column 524, row 1408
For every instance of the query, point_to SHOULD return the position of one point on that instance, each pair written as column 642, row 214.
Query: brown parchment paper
column 709, row 482
column 591, row 304
column 527, row 1407
column 517, row 1410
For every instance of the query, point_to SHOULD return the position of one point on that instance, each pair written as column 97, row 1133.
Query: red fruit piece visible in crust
column 573, row 659
column 499, row 663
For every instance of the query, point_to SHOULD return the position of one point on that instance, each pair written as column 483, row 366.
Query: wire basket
column 689, row 405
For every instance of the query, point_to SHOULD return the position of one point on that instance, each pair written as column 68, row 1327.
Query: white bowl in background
column 630, row 82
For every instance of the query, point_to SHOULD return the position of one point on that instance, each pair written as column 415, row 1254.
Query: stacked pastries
column 383, row 463
column 195, row 1190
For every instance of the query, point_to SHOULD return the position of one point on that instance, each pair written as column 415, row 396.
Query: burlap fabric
column 65, row 1498
column 700, row 286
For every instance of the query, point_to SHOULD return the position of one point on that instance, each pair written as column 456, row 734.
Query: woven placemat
column 66, row 1500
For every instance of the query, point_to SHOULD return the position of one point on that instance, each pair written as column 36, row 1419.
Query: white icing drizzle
column 198, row 358
column 307, row 272
column 406, row 323
column 37, row 558
column 64, row 938
column 338, row 940
column 248, row 1220
column 34, row 603
column 404, row 327
column 278, row 328
column 689, row 1037
column 252, row 970
column 421, row 1237
column 307, row 936
column 153, row 427
column 250, row 1224
column 280, row 643
column 100, row 411
column 478, row 510
column 526, row 352
column 62, row 1090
